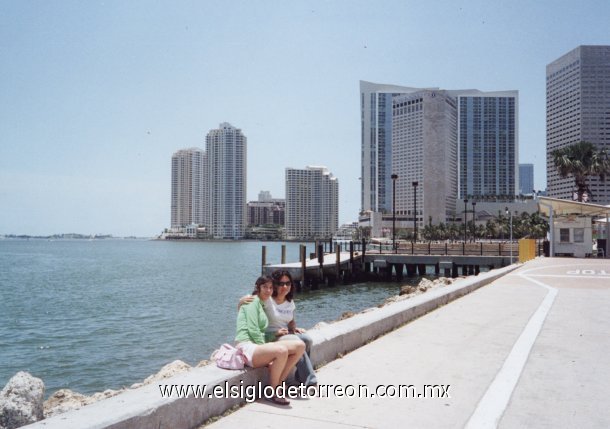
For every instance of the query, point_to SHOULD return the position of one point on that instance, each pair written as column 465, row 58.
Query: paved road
column 529, row 350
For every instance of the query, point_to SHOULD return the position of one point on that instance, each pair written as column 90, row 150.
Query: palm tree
column 581, row 160
column 491, row 229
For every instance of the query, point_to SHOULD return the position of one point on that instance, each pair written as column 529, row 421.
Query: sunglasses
column 283, row 283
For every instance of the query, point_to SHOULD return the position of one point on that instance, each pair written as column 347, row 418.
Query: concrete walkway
column 529, row 350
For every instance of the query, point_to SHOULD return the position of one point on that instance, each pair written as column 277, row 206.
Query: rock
column 407, row 290
column 65, row 400
column 204, row 362
column 425, row 284
column 168, row 370
column 347, row 315
column 21, row 401
column 320, row 325
column 109, row 393
column 389, row 301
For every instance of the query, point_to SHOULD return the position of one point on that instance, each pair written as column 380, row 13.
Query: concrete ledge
column 144, row 407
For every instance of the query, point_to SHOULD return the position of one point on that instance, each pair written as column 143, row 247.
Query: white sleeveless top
column 279, row 315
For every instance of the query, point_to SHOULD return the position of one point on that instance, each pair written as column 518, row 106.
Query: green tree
column 581, row 160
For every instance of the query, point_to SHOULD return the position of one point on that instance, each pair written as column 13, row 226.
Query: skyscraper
column 226, row 173
column 188, row 188
column 577, row 109
column 376, row 148
column 424, row 151
column 526, row 179
column 488, row 143
column 312, row 203
column 466, row 146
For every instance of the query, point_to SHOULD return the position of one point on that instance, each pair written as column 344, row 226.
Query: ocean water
column 104, row 314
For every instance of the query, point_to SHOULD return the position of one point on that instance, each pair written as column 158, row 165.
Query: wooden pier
column 319, row 268
column 379, row 262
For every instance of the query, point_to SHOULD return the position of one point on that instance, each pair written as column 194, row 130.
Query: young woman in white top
column 282, row 324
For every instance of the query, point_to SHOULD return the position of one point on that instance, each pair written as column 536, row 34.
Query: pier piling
column 303, row 256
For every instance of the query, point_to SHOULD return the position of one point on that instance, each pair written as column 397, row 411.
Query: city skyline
column 450, row 144
column 94, row 98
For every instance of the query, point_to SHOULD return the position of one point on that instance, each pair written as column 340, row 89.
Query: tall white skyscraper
column 188, row 188
column 312, row 203
column 578, row 109
column 454, row 143
column 424, row 150
column 227, row 156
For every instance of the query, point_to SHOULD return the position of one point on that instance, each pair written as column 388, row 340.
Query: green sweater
column 252, row 322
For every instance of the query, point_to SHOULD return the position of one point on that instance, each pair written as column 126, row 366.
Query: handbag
column 229, row 357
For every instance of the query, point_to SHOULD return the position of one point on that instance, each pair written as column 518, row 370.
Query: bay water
column 90, row 315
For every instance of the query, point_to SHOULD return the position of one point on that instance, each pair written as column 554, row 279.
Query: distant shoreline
column 69, row 236
column 78, row 237
column 221, row 240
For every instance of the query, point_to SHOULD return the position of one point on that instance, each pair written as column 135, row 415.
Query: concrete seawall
column 145, row 407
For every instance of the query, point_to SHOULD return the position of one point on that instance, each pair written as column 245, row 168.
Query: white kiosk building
column 572, row 222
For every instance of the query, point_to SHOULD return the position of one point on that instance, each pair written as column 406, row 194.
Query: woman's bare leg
column 295, row 348
column 271, row 353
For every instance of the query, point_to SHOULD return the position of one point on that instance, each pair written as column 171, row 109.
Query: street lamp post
column 474, row 226
column 394, row 177
column 415, row 211
column 465, row 217
column 511, row 234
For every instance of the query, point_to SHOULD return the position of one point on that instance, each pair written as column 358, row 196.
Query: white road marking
column 492, row 405
column 569, row 276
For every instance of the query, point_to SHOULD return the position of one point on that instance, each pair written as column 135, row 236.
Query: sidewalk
column 528, row 350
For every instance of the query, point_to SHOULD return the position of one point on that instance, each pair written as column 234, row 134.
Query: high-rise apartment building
column 488, row 143
column 188, row 196
column 577, row 109
column 526, row 179
column 312, row 203
column 424, row 151
column 461, row 142
column 226, row 154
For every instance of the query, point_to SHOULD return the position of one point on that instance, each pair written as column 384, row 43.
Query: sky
column 96, row 96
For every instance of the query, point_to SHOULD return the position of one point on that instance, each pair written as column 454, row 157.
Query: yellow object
column 527, row 249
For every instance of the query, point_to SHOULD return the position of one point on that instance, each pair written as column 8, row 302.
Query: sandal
column 279, row 401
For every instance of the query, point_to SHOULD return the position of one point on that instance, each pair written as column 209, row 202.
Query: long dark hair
column 261, row 281
column 277, row 275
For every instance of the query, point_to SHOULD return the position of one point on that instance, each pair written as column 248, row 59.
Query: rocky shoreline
column 22, row 399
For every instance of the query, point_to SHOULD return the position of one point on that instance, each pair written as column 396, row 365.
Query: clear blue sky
column 96, row 96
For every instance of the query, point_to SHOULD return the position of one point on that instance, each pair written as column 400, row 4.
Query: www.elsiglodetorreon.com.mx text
column 253, row 391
